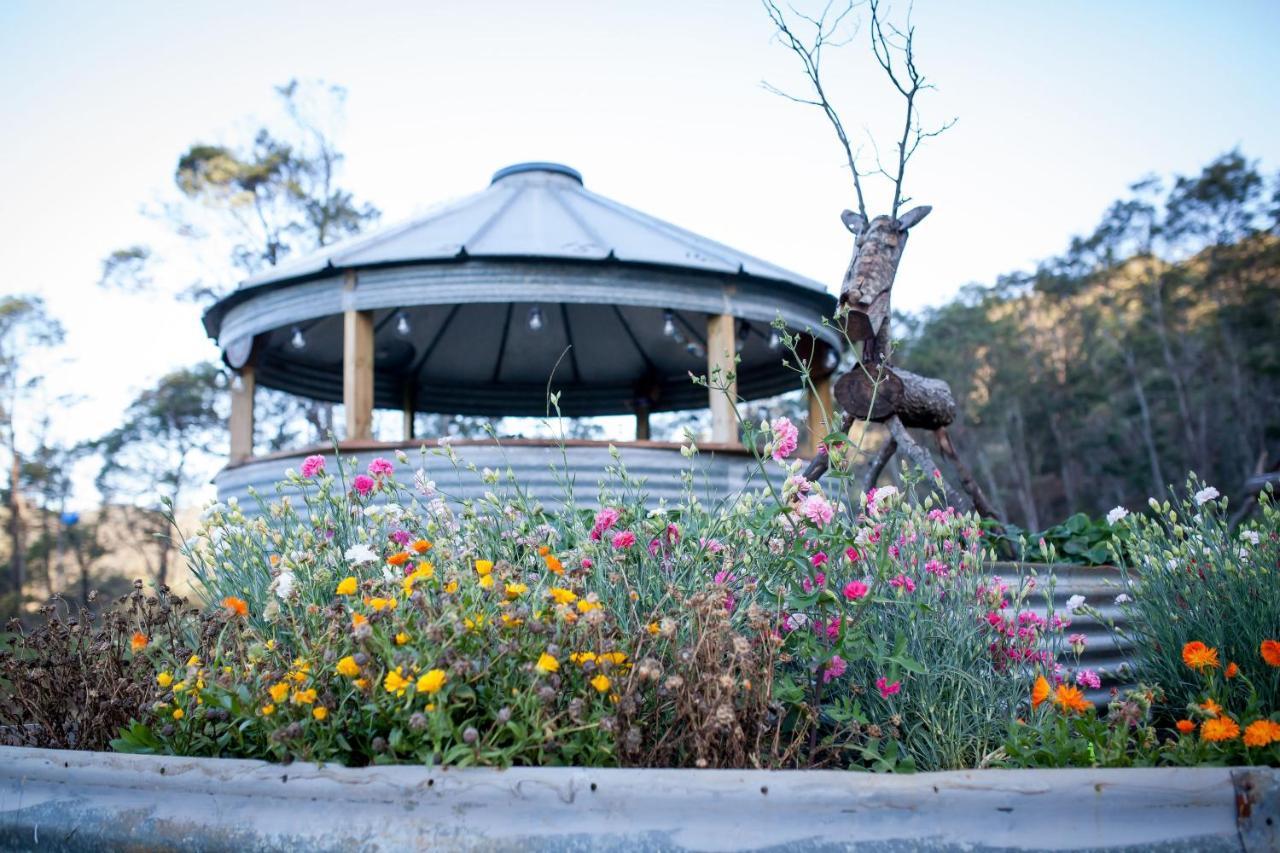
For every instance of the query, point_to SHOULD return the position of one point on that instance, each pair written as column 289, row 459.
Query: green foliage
column 1080, row 539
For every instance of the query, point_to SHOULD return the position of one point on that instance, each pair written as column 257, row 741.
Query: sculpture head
column 878, row 244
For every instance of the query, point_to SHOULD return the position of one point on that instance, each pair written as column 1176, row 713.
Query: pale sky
column 658, row 103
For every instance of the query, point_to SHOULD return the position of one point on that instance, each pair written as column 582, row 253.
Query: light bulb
column 298, row 341
column 831, row 359
column 775, row 339
column 668, row 324
column 402, row 325
column 535, row 319
column 696, row 350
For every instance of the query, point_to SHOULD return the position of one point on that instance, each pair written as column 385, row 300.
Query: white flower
column 1206, row 494
column 360, row 553
column 1074, row 603
column 1244, row 553
column 425, row 485
column 284, row 585
column 1123, row 599
column 885, row 492
column 1116, row 515
column 444, row 440
column 1251, row 536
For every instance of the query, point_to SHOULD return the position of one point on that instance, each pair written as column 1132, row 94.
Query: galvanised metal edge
column 80, row 800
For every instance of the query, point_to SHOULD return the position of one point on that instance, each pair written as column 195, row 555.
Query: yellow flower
column 304, row 697
column 582, row 657
column 515, row 590
column 511, row 621
column 432, row 681
column 586, row 605
column 395, row 682
column 484, row 567
column 486, row 582
column 652, row 628
column 451, row 587
column 615, row 658
column 473, row 624
column 271, row 645
column 180, row 686
column 402, row 638
column 600, row 683
column 347, row 586
column 546, row 663
column 164, row 679
column 267, row 710
column 194, row 660
column 361, row 683
column 562, row 596
column 348, row 667
column 178, row 713
column 320, row 713
column 381, row 604
column 278, row 691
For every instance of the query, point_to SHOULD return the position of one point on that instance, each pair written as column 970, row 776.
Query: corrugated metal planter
column 89, row 801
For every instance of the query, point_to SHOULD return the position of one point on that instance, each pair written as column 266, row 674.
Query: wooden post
column 642, row 420
column 409, row 404
column 721, row 349
column 821, row 413
column 242, row 414
column 357, row 369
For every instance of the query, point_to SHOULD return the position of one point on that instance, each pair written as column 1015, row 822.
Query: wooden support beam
column 822, row 415
column 357, row 373
column 241, row 422
column 722, row 377
column 642, row 421
column 409, row 405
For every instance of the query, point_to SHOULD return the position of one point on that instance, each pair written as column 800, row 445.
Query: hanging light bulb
column 668, row 324
column 695, row 350
column 831, row 360
column 402, row 325
column 775, row 339
column 297, row 341
column 535, row 319
column 237, row 384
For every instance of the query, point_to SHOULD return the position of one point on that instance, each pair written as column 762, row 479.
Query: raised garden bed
column 56, row 800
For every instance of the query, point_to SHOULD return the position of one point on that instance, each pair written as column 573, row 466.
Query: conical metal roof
column 538, row 210
column 480, row 304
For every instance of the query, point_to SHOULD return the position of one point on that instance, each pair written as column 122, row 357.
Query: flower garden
column 363, row 617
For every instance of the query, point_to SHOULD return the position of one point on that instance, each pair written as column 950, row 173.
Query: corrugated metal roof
column 535, row 210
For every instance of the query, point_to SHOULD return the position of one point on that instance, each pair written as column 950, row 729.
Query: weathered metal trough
column 68, row 801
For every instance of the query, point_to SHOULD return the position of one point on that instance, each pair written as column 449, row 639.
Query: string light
column 402, row 325
column 668, row 324
column 297, row 341
column 535, row 319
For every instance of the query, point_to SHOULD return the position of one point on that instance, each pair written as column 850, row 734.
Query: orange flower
column 1212, row 708
column 1262, row 733
column 1039, row 692
column 544, row 550
column 138, row 642
column 1219, row 729
column 1270, row 652
column 553, row 564
column 1186, row 726
column 237, row 606
column 399, row 558
column 358, row 619
column 420, row 546
column 1232, row 670
column 1070, row 698
column 1199, row 656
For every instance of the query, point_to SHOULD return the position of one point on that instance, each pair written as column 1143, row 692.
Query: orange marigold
column 237, row 606
column 1199, row 656
column 421, row 546
column 1219, row 729
column 1270, row 650
column 1186, row 726
column 1039, row 692
column 553, row 564
column 1262, row 733
column 399, row 558
column 1232, row 670
column 1071, row 699
column 138, row 641
column 1212, row 708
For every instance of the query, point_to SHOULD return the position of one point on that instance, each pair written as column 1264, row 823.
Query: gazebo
column 534, row 283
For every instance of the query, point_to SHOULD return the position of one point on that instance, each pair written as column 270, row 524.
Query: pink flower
column 673, row 534
column 854, row 590
column 362, row 484
column 712, row 545
column 655, row 545
column 381, row 467
column 903, row 582
column 586, row 563
column 400, row 537
column 624, row 539
column 851, row 554
column 817, row 510
column 312, row 465
column 818, row 580
column 785, row 438
column 818, row 559
column 834, row 669
column 1088, row 678
column 605, row 519
column 886, row 689
column 936, row 567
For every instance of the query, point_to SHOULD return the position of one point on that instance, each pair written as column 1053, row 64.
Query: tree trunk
column 878, row 393
column 1148, row 436
column 18, row 559
column 878, row 464
column 967, row 482
column 922, row 460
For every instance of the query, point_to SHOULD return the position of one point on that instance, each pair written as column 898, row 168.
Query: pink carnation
column 624, row 539
column 312, row 465
column 834, row 669
column 817, row 510
column 362, row 484
column 851, row 554
column 886, row 689
column 785, row 438
column 903, row 582
column 818, row 559
column 381, row 467
column 605, row 519
column 586, row 563
column 1088, row 678
column 854, row 590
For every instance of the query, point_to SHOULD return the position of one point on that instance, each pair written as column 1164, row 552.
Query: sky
column 659, row 103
